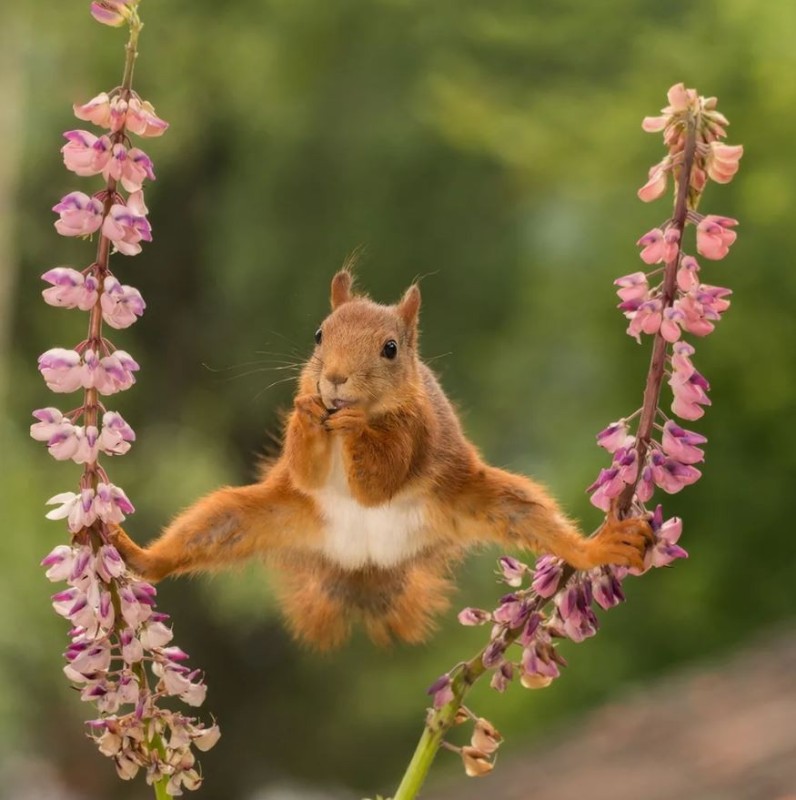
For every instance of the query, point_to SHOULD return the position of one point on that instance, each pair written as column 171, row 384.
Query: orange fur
column 372, row 440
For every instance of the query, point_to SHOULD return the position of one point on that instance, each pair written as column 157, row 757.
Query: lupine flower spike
column 649, row 450
column 120, row 655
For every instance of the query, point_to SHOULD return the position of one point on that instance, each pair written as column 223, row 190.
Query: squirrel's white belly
column 355, row 536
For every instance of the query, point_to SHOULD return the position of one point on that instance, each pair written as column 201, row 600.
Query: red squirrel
column 376, row 493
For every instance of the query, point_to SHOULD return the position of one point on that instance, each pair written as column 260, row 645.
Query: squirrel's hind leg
column 223, row 528
column 500, row 507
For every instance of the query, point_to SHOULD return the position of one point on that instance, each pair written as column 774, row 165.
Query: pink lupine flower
column 614, row 436
column 696, row 318
column 121, row 305
column 646, row 318
column 681, row 360
column 645, row 487
column 576, row 618
column 606, row 488
column 666, row 548
column 70, row 288
column 473, row 616
column 722, row 162
column 61, row 369
column 77, row 509
column 672, row 475
column 547, row 575
column 111, row 12
column 539, row 669
column 513, row 571
column 74, row 442
column 119, row 367
column 155, row 634
column 689, row 388
column 681, row 444
column 655, row 186
column 58, row 562
column 141, row 119
column 96, row 110
column 116, row 435
column 687, row 274
column 714, row 236
column 127, row 225
column 513, row 611
column 653, row 246
column 81, row 215
column 130, row 167
column 606, row 588
column 51, row 422
column 118, row 113
column 673, row 318
column 111, row 504
column 658, row 245
column 137, row 167
column 84, row 153
column 633, row 287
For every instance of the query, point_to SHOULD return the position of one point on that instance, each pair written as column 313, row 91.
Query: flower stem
column 439, row 721
column 652, row 389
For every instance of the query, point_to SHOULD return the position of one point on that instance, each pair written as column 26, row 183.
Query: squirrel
column 376, row 493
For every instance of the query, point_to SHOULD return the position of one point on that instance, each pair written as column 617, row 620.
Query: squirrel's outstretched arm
column 224, row 527
column 492, row 505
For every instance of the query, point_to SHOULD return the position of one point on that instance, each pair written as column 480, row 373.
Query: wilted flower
column 486, row 737
column 476, row 763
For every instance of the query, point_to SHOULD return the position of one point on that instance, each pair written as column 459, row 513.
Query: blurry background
column 494, row 148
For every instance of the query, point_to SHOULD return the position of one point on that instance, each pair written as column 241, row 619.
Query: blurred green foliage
column 493, row 149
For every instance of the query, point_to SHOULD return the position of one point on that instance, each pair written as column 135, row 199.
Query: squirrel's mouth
column 339, row 403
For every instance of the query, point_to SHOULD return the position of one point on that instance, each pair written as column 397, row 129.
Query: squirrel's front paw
column 311, row 409
column 346, row 420
column 133, row 555
column 622, row 542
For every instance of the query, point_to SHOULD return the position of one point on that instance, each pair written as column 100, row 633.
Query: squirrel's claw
column 346, row 420
column 311, row 409
column 622, row 542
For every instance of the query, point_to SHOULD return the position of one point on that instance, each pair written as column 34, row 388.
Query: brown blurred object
column 716, row 732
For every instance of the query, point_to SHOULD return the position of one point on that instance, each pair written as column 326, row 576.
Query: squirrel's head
column 365, row 353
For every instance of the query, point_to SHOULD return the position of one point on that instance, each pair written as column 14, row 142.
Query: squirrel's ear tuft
column 341, row 288
column 409, row 306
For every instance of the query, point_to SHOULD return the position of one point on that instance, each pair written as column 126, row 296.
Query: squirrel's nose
column 336, row 378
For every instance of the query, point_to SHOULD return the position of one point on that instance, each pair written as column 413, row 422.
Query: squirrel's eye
column 318, row 336
column 390, row 349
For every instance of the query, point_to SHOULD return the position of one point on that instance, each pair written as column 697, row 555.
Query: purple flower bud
column 607, row 589
column 441, row 691
column 546, row 576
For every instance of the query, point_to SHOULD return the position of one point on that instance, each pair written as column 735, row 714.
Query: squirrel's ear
column 341, row 288
column 409, row 306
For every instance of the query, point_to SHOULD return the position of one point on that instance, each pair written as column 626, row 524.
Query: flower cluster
column 119, row 657
column 116, row 634
column 552, row 601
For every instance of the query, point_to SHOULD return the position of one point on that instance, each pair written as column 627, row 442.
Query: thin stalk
column 652, row 388
column 100, row 270
column 441, row 720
